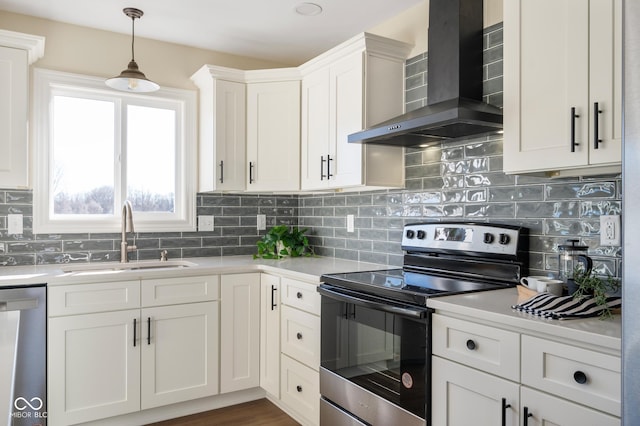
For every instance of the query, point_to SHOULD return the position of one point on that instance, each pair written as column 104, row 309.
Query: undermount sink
column 129, row 266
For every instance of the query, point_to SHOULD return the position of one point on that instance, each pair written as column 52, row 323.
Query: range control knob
column 488, row 238
column 504, row 239
column 421, row 234
column 410, row 233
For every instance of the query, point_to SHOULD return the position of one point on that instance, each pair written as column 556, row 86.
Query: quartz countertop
column 495, row 307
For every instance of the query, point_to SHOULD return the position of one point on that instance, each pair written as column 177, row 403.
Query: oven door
column 374, row 357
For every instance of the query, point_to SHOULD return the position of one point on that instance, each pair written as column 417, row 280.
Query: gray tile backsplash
column 461, row 181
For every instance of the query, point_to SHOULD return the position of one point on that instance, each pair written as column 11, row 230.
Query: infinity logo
column 34, row 403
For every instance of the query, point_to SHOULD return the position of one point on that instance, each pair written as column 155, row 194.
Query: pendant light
column 132, row 79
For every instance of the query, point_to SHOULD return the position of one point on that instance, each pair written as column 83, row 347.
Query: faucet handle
column 164, row 256
column 132, row 248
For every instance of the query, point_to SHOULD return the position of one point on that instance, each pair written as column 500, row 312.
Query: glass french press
column 572, row 257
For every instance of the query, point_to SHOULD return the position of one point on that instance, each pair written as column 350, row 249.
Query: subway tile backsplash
column 461, row 181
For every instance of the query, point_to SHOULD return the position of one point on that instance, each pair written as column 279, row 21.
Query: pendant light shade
column 132, row 79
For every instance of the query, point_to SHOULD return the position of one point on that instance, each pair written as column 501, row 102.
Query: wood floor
column 258, row 413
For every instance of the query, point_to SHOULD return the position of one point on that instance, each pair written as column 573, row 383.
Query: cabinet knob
column 471, row 345
column 299, row 336
column 299, row 295
column 299, row 388
column 580, row 377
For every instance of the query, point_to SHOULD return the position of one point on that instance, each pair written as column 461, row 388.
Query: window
column 96, row 148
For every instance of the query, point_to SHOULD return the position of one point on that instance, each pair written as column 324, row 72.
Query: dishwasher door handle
column 18, row 305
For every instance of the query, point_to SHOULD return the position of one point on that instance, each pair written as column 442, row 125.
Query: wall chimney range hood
column 454, row 88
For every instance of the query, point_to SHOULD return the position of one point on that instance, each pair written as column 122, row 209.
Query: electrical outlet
column 610, row 230
column 205, row 223
column 261, row 222
column 350, row 223
column 14, row 224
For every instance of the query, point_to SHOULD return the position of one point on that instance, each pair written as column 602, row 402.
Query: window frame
column 47, row 84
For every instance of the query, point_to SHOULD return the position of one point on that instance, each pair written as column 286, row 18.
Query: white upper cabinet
column 357, row 84
column 562, row 86
column 222, row 139
column 273, row 132
column 17, row 52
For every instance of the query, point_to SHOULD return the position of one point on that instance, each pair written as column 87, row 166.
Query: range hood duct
column 454, row 88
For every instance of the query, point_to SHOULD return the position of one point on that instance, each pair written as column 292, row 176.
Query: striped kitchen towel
column 547, row 305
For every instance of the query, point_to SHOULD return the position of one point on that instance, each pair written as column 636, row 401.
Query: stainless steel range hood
column 454, row 87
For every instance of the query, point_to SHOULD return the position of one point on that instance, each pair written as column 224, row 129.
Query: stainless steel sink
column 129, row 266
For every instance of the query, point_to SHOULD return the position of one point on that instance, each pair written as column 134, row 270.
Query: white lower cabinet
column 473, row 380
column 270, row 334
column 112, row 350
column 240, row 332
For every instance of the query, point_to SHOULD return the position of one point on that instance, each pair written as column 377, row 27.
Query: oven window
column 382, row 352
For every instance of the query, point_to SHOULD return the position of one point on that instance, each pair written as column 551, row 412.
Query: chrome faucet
column 127, row 226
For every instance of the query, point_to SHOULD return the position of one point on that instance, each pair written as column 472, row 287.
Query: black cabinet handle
column 134, row 332
column 580, row 377
column 322, row 161
column 251, row 180
column 299, row 388
column 299, row 336
column 299, row 295
column 471, row 345
column 329, row 160
column 273, row 297
column 504, row 411
column 573, row 129
column 596, row 124
column 526, row 415
column 221, row 171
column 148, row 330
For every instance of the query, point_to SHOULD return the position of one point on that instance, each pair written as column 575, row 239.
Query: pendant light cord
column 133, row 36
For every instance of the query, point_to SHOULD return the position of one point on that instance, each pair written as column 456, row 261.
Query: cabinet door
column 347, row 116
column 179, row 353
column 463, row 396
column 273, row 136
column 230, row 135
column 270, row 334
column 315, row 130
column 544, row 409
column 94, row 366
column 14, row 162
column 546, row 74
column 239, row 332
column 605, row 65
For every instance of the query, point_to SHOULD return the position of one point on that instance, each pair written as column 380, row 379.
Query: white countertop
column 495, row 307
column 490, row 306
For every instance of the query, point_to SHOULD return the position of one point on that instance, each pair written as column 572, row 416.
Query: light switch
column 14, row 223
column 261, row 222
column 350, row 223
column 205, row 223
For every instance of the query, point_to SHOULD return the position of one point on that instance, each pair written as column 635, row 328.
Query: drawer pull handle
column 299, row 388
column 527, row 414
column 471, row 345
column 299, row 295
column 504, row 411
column 580, row 377
column 299, row 336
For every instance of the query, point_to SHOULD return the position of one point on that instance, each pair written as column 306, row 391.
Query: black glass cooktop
column 400, row 284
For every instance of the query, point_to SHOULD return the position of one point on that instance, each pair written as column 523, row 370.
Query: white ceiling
column 265, row 29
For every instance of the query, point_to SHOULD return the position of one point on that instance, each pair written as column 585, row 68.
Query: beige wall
column 83, row 50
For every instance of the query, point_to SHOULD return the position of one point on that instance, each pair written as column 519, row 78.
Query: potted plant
column 282, row 241
column 590, row 285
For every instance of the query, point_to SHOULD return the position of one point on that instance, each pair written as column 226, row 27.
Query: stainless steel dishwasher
column 23, row 355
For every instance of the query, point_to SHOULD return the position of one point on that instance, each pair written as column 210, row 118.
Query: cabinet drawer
column 581, row 375
column 485, row 348
column 300, row 336
column 97, row 297
column 301, row 295
column 169, row 291
column 300, row 389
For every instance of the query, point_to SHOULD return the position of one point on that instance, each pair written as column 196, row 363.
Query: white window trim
column 183, row 220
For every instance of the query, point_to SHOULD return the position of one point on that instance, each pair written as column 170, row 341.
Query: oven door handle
column 373, row 304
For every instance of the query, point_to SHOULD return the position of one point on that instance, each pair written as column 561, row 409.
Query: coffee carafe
column 573, row 257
